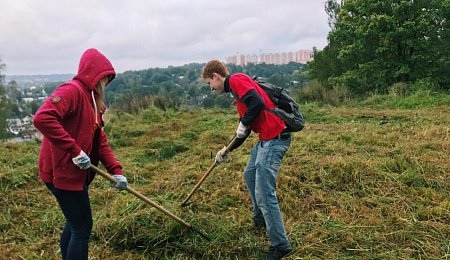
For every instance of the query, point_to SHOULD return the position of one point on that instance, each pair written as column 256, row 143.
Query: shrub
column 399, row 89
column 315, row 91
column 425, row 84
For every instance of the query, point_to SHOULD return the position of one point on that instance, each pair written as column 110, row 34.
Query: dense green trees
column 374, row 44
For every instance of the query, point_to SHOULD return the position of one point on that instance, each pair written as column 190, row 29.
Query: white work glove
column 241, row 131
column 221, row 155
column 82, row 161
column 121, row 183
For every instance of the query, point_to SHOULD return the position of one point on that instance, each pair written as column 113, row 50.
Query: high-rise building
column 300, row 56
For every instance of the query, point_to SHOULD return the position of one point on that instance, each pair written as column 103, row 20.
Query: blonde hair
column 214, row 66
column 100, row 89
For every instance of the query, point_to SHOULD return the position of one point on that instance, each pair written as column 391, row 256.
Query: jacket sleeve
column 106, row 156
column 54, row 110
column 239, row 141
column 254, row 104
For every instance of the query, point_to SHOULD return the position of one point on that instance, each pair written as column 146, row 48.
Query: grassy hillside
column 356, row 183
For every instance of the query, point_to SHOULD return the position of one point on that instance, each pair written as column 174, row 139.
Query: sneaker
column 276, row 253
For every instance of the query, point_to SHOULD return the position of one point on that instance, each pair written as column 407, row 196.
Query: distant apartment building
column 300, row 56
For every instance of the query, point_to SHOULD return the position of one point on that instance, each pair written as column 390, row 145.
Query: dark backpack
column 286, row 107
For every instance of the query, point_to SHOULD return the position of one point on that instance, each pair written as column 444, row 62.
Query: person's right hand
column 82, row 161
column 221, row 155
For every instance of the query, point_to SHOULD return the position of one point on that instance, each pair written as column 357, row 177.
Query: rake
column 151, row 203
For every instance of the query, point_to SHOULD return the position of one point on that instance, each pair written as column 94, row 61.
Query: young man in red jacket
column 265, row 160
column 71, row 123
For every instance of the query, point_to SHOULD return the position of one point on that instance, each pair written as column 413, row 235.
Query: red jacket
column 266, row 124
column 67, row 122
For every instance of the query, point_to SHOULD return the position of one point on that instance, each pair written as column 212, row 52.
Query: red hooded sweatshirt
column 67, row 119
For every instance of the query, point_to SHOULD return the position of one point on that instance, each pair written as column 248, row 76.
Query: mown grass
column 358, row 182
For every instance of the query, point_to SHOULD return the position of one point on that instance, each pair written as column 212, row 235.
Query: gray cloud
column 44, row 37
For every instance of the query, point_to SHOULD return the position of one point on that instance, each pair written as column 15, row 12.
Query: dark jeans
column 76, row 208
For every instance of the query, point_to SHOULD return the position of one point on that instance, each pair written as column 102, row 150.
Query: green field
column 357, row 183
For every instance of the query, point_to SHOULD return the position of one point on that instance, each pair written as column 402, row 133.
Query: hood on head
column 93, row 67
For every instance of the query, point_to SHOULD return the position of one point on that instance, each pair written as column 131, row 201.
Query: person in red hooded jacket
column 71, row 123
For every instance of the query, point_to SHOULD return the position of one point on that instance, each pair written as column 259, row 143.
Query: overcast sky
column 48, row 37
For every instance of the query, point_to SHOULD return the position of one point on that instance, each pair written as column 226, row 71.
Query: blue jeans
column 261, row 179
column 76, row 208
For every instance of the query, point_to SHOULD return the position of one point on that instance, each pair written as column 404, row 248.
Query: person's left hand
column 82, row 161
column 121, row 183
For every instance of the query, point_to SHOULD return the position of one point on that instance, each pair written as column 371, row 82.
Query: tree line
column 182, row 86
column 373, row 45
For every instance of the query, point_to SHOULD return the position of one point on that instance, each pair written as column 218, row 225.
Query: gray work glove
column 221, row 155
column 121, row 183
column 82, row 161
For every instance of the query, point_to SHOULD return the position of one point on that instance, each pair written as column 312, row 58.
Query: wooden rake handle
column 142, row 197
column 213, row 165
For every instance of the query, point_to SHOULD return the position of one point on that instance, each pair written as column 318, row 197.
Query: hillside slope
column 356, row 183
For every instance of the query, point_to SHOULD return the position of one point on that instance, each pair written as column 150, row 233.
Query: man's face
column 215, row 83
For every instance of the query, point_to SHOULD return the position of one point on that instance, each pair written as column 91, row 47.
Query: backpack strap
column 235, row 96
